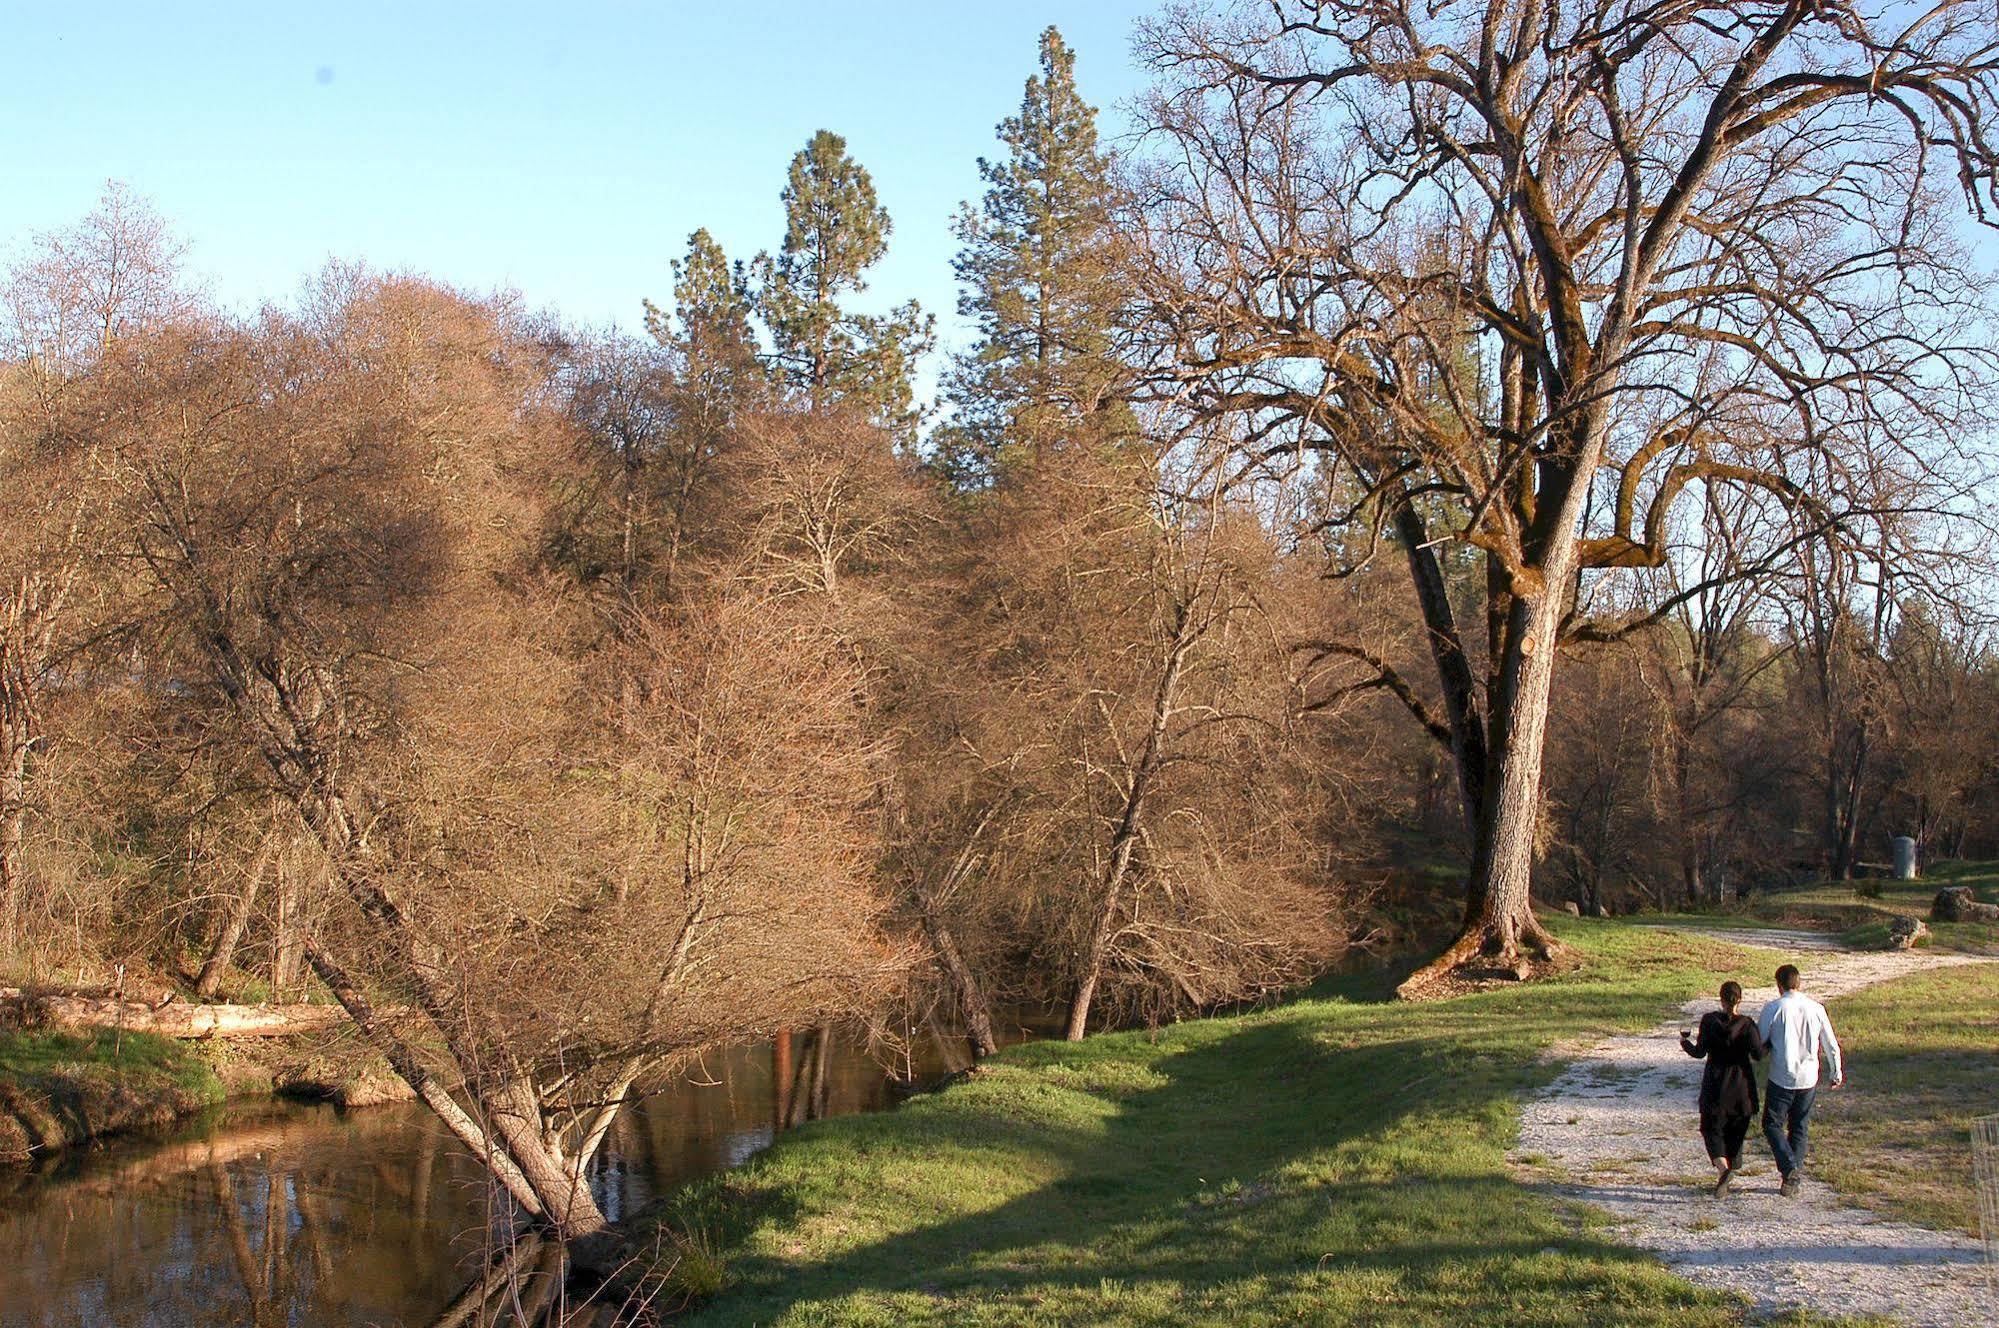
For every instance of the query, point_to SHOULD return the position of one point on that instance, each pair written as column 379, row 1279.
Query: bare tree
column 1531, row 276
column 338, row 522
column 1601, row 814
column 1708, row 662
column 1944, row 720
column 63, row 305
column 1136, row 705
column 633, row 472
column 1842, row 687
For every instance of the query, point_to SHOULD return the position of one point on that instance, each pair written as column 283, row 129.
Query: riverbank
column 59, row 1089
column 1340, row 1159
column 266, row 1210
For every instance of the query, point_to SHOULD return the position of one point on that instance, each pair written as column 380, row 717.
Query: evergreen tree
column 1038, row 275
column 834, row 231
column 709, row 329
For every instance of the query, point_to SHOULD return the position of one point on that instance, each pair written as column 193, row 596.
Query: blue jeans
column 1787, row 1124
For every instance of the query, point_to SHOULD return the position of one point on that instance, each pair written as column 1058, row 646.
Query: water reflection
column 290, row 1214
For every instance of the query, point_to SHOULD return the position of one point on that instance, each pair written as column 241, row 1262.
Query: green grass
column 61, row 1088
column 1861, row 919
column 1338, row 1160
column 1734, row 919
column 1923, row 1059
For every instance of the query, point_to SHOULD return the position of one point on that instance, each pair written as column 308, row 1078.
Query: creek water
column 281, row 1213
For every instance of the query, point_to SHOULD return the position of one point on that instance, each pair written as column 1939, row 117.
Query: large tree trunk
column 514, row 1108
column 1499, row 925
column 1447, row 652
column 965, row 985
column 508, row 1136
column 512, row 1143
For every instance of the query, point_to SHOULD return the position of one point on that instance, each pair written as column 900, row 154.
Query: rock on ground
column 1956, row 904
column 1618, row 1129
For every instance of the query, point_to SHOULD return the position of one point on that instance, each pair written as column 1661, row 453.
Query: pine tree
column 1038, row 274
column 709, row 329
column 835, row 230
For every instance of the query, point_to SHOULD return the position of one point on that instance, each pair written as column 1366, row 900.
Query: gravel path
column 1619, row 1130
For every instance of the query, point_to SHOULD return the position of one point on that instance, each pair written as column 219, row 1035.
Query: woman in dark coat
column 1731, row 1046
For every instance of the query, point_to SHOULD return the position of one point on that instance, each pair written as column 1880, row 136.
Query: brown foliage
column 336, row 528
column 1122, row 698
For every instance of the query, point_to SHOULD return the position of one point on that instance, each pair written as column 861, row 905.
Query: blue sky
column 564, row 150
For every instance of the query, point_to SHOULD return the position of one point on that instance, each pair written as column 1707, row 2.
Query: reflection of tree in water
column 266, row 1272
column 277, row 1230
column 277, row 1216
column 303, row 1216
column 526, row 1287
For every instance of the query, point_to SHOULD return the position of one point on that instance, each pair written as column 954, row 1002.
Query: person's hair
column 1731, row 994
column 1787, row 978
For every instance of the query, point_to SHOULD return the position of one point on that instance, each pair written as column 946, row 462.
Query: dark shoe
column 1790, row 1186
column 1721, row 1186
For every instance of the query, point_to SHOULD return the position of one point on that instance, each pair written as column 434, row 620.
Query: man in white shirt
column 1797, row 1031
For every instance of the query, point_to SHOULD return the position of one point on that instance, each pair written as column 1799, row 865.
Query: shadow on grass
column 1332, row 1158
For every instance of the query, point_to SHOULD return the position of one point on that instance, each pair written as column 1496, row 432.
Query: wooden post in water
column 780, row 1080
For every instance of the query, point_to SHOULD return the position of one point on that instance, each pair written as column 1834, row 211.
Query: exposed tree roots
column 1487, row 950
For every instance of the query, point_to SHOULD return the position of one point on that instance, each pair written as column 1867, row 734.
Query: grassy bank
column 1339, row 1160
column 58, row 1089
column 1923, row 1057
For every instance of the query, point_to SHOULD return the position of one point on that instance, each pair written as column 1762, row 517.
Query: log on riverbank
column 174, row 1018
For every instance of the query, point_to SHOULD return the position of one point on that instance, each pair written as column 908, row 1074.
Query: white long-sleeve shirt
column 1796, row 1029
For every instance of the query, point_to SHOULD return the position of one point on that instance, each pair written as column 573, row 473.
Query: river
column 270, row 1212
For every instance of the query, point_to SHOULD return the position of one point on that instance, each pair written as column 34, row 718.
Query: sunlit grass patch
column 1341, row 1159
column 1923, row 1059
column 60, row 1088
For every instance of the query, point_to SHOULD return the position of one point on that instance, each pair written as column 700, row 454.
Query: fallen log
column 173, row 1018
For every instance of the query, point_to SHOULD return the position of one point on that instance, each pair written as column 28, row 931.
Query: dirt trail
column 1617, row 1129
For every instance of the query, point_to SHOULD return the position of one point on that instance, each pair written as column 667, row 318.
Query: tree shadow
column 1266, row 1147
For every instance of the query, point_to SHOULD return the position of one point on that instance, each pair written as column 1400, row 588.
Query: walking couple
column 1795, row 1031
